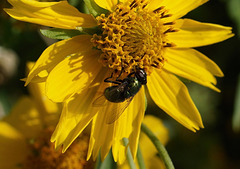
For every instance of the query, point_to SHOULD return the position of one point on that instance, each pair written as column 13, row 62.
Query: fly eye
column 142, row 73
column 141, row 76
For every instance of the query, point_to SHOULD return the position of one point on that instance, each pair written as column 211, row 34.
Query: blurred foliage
column 234, row 12
column 236, row 112
column 216, row 146
column 24, row 39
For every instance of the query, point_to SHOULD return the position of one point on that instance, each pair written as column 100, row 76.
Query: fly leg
column 131, row 74
column 117, row 79
column 112, row 81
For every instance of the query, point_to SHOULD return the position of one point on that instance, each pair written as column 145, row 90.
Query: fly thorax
column 134, row 86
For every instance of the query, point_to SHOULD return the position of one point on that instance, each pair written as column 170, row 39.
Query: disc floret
column 133, row 37
column 43, row 154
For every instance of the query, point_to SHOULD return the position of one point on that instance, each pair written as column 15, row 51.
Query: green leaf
column 94, row 9
column 74, row 2
column 56, row 33
column 236, row 111
column 234, row 11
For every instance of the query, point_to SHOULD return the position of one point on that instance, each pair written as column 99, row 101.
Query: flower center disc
column 43, row 154
column 133, row 37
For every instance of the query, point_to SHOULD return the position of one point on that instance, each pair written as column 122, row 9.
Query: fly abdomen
column 113, row 94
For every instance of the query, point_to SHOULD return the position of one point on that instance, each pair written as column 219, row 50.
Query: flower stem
column 161, row 149
column 107, row 163
column 140, row 159
column 129, row 155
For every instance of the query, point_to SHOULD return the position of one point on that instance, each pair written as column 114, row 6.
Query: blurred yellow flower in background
column 149, row 152
column 28, row 118
column 25, row 135
column 134, row 34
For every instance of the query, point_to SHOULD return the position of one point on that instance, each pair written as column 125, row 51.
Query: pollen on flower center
column 44, row 155
column 132, row 36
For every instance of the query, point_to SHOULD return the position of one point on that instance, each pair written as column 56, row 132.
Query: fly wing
column 100, row 101
column 113, row 110
column 116, row 110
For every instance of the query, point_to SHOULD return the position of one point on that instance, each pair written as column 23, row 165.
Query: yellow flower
column 149, row 152
column 25, row 136
column 135, row 34
column 25, row 122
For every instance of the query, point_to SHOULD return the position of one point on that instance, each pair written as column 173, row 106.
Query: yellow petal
column 194, row 34
column 135, row 112
column 123, row 1
column 154, row 4
column 104, row 136
column 107, row 4
column 70, row 125
column 192, row 65
column 13, row 149
column 74, row 73
column 78, row 111
column 25, row 117
column 129, row 126
column 95, row 141
column 45, row 106
column 179, row 8
column 37, row 91
column 148, row 150
column 55, row 53
column 172, row 96
column 53, row 14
